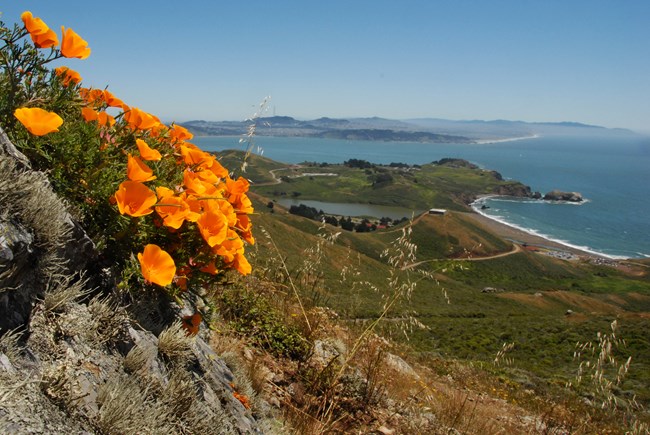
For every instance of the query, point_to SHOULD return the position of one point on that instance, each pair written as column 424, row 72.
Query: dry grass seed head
column 62, row 289
column 179, row 394
column 137, row 358
column 174, row 344
column 30, row 196
column 108, row 320
column 237, row 365
column 124, row 408
column 9, row 344
column 204, row 419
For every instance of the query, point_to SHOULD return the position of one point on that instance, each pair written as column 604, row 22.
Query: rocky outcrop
column 72, row 357
column 558, row 195
column 515, row 189
column 37, row 237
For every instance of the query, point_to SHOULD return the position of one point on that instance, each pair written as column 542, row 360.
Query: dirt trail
column 515, row 248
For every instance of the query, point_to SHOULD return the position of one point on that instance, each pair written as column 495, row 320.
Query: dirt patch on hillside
column 537, row 300
column 638, row 297
column 554, row 300
column 585, row 303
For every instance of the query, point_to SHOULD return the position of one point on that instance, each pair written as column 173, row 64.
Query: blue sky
column 570, row 60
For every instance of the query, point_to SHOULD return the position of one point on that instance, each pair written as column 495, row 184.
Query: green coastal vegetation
column 448, row 183
column 531, row 293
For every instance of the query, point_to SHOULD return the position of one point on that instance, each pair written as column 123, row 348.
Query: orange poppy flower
column 241, row 264
column 112, row 100
column 46, row 40
column 139, row 119
column 89, row 114
column 94, row 97
column 34, row 25
column 37, row 121
column 73, row 45
column 224, row 207
column 67, row 75
column 157, row 265
column 237, row 187
column 194, row 205
column 146, row 152
column 164, row 192
column 135, row 199
column 243, row 204
column 213, row 227
column 137, row 170
column 180, row 134
column 195, row 185
column 191, row 323
column 243, row 222
column 210, row 268
column 173, row 210
column 194, row 156
column 229, row 247
column 248, row 236
column 42, row 36
column 104, row 118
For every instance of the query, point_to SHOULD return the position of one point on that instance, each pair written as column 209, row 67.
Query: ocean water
column 611, row 171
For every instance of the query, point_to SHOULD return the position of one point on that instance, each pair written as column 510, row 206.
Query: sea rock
column 558, row 195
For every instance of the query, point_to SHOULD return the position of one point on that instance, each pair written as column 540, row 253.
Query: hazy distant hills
column 429, row 130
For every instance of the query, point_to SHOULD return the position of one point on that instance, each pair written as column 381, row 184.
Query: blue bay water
column 611, row 171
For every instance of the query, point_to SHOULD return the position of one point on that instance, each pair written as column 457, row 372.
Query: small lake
column 352, row 210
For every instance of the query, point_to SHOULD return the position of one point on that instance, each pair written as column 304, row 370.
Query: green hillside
column 529, row 307
column 449, row 183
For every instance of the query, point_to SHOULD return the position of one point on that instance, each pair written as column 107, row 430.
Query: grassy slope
column 538, row 290
column 257, row 169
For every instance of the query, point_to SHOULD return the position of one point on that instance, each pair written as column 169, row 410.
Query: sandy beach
column 522, row 237
column 511, row 139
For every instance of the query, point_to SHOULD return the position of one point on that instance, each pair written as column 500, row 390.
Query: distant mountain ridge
column 425, row 130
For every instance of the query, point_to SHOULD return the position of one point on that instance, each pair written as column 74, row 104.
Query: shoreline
column 469, row 142
column 512, row 139
column 522, row 237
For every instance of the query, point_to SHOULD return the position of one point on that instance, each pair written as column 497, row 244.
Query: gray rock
column 558, row 195
column 9, row 149
column 326, row 351
column 401, row 366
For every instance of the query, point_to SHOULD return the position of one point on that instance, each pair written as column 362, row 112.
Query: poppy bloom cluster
column 186, row 198
column 37, row 121
column 207, row 201
column 72, row 45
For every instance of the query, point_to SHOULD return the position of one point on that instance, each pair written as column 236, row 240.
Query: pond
column 352, row 210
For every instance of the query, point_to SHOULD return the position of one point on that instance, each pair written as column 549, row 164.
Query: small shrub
column 251, row 314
